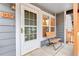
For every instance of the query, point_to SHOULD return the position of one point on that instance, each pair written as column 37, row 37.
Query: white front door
column 28, row 29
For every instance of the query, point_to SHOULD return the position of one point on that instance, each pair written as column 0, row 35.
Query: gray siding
column 60, row 25
column 7, row 39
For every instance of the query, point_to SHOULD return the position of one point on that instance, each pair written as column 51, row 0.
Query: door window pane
column 31, row 37
column 33, row 30
column 35, row 16
column 31, row 15
column 27, row 21
column 26, row 14
column 27, row 30
column 35, row 21
column 35, row 36
column 31, row 22
column 27, row 38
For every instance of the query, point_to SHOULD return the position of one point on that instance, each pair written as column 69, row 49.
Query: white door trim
column 64, row 28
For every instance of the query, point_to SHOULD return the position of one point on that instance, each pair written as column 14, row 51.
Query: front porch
column 25, row 34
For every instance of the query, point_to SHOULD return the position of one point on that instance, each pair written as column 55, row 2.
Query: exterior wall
column 7, row 39
column 60, row 25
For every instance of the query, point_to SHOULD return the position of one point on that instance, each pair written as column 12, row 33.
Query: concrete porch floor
column 49, row 51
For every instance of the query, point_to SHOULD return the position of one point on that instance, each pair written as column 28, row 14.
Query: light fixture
column 13, row 6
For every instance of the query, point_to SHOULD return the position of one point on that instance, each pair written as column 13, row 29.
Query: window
column 45, row 25
column 30, row 26
column 52, row 24
column 48, row 24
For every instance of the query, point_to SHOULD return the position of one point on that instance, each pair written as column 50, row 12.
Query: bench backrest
column 50, row 34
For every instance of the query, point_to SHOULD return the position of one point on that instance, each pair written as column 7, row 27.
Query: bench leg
column 57, row 47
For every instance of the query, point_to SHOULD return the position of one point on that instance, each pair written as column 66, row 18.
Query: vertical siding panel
column 60, row 25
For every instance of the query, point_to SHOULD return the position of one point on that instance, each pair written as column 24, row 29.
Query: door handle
column 21, row 30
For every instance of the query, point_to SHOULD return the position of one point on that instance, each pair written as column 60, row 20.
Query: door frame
column 34, row 43
column 64, row 28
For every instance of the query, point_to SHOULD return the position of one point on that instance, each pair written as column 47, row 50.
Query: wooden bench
column 53, row 40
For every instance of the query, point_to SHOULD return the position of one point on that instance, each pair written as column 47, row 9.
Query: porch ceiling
column 54, row 7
